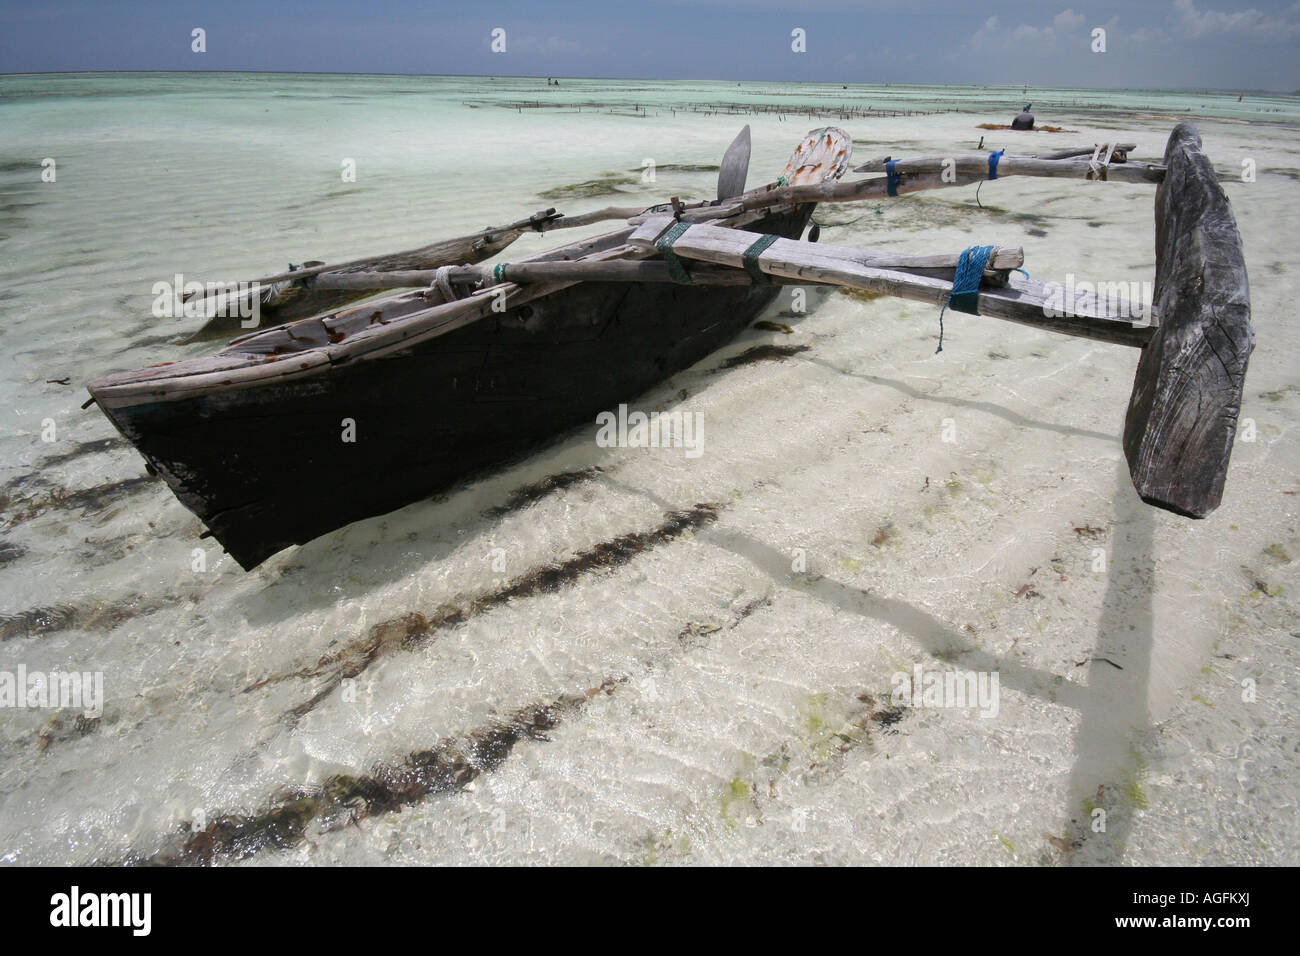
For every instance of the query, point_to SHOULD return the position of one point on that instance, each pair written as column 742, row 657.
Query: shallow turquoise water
column 736, row 729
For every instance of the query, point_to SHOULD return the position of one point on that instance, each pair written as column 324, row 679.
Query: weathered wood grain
column 1024, row 301
column 977, row 164
column 1182, row 416
column 734, row 168
column 1119, row 156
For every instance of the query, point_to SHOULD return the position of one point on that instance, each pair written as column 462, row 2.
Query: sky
column 1165, row 44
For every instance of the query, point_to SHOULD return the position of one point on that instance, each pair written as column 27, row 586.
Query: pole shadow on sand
column 1112, row 703
column 1105, row 787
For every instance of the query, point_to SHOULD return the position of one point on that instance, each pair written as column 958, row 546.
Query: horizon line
column 538, row 76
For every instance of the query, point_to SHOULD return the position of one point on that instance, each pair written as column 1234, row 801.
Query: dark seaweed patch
column 884, row 717
column 97, row 615
column 85, row 499
column 10, row 552
column 764, row 353
column 695, row 633
column 84, row 448
column 684, row 168
column 413, row 630
column 529, row 494
column 32, row 166
column 345, row 799
column 56, row 731
column 831, row 728
column 606, row 556
column 861, row 295
column 1031, row 218
column 39, row 620
column 606, row 185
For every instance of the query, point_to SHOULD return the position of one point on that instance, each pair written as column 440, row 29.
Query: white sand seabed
column 852, row 543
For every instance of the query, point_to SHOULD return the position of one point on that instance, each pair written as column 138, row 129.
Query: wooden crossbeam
column 1049, row 306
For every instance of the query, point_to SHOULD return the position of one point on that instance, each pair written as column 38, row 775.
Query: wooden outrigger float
column 487, row 361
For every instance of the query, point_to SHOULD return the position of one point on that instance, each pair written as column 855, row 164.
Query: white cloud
column 1251, row 22
column 993, row 36
column 1067, row 20
column 989, row 34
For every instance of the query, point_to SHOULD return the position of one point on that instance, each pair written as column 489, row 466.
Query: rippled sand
column 630, row 655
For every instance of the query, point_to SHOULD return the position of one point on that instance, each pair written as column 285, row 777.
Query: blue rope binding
column 891, row 184
column 993, row 163
column 965, row 294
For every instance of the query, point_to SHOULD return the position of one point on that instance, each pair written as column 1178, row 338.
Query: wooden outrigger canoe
column 252, row 439
column 439, row 383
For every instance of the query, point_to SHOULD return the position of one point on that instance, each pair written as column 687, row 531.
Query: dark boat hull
column 268, row 467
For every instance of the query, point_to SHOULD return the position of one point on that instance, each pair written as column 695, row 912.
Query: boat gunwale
column 233, row 368
column 189, row 378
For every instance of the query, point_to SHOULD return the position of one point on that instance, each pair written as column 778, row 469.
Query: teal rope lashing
column 965, row 294
column 749, row 259
column 499, row 272
column 664, row 246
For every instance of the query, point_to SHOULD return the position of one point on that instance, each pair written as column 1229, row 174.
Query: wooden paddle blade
column 1182, row 417
column 735, row 166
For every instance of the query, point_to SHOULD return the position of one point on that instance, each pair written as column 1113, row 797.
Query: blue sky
column 1149, row 43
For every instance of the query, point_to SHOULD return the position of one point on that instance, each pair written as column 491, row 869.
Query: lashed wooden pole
column 1053, row 307
column 455, row 250
column 1001, row 259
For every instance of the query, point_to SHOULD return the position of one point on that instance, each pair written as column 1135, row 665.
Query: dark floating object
column 1024, row 120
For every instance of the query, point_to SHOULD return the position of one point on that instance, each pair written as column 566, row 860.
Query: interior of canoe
column 822, row 156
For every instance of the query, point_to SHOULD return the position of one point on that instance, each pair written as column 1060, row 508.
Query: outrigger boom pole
column 1182, row 415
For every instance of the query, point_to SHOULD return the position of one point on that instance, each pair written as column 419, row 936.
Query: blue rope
column 993, row 163
column 891, row 185
column 965, row 293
